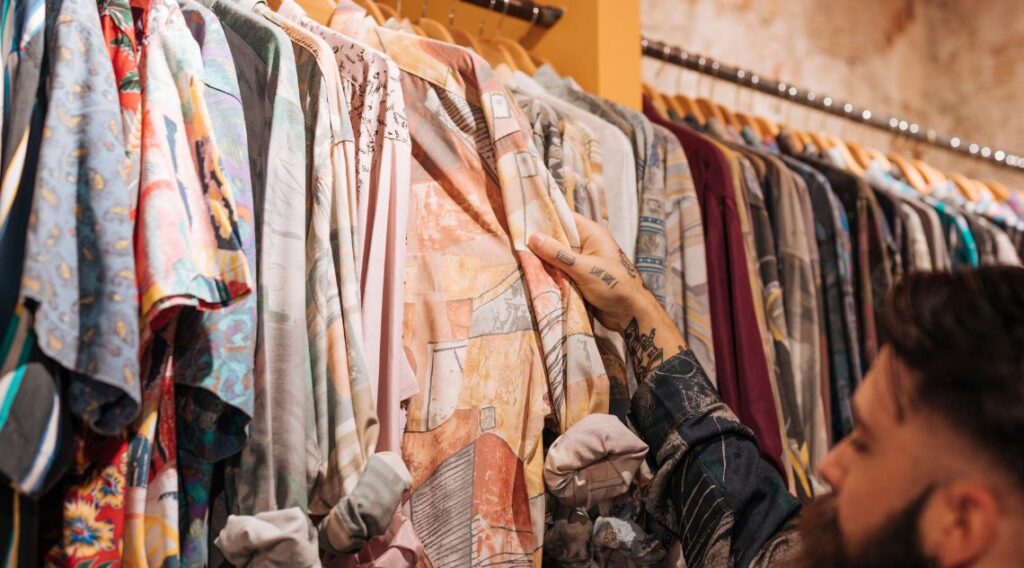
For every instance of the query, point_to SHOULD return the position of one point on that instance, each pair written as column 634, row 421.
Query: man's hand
column 612, row 285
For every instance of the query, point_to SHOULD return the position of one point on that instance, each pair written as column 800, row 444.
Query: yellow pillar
column 597, row 42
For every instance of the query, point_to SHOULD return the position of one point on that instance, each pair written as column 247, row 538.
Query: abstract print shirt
column 189, row 256
column 498, row 340
column 213, row 358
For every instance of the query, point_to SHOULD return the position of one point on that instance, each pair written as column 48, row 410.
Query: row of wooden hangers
column 496, row 49
column 919, row 174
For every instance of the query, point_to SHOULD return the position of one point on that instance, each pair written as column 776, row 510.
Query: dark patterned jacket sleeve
column 711, row 489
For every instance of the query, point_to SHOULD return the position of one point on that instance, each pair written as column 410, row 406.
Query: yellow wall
column 597, row 42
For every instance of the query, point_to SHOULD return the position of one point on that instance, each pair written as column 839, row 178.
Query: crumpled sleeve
column 711, row 489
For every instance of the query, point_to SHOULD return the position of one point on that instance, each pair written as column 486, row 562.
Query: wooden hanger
column 768, row 126
column 806, row 139
column 516, row 52
column 519, row 55
column 747, row 121
column 931, row 175
column 730, row 118
column 373, row 10
column 656, row 99
column 984, row 190
column 877, row 156
column 494, row 53
column 1000, row 191
column 690, row 106
column 318, row 10
column 967, row 189
column 673, row 104
column 819, row 141
column 859, row 154
column 710, row 110
column 910, row 173
column 435, row 30
column 388, row 12
column 844, row 151
column 796, row 141
column 465, row 39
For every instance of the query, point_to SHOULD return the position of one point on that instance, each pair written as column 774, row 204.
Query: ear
column 960, row 523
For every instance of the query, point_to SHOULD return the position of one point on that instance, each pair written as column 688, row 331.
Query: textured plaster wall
column 953, row 65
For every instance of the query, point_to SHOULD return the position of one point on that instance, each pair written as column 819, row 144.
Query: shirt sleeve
column 711, row 488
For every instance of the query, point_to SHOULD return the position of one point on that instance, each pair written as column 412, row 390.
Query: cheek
column 857, row 510
column 872, row 491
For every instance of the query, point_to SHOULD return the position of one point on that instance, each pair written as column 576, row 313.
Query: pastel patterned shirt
column 498, row 341
column 370, row 86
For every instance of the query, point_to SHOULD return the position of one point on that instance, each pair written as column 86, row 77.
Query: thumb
column 553, row 252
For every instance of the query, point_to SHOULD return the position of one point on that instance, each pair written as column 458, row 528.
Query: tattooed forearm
column 644, row 353
column 624, row 261
column 565, row 258
column 606, row 278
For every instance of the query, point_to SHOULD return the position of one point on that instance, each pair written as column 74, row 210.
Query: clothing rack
column 825, row 103
column 536, row 14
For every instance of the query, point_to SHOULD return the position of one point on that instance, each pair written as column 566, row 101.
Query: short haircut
column 963, row 334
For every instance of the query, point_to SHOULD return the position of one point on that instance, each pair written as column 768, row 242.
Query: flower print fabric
column 188, row 255
column 497, row 339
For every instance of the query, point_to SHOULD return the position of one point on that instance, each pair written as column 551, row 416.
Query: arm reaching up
column 711, row 491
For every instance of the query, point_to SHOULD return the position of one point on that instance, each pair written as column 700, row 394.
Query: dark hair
column 963, row 334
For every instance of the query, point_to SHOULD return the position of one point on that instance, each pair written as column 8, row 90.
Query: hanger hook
column 451, row 14
column 483, row 18
column 423, row 9
column 398, row 8
column 535, row 17
column 504, row 14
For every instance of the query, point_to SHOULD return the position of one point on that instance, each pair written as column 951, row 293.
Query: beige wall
column 953, row 65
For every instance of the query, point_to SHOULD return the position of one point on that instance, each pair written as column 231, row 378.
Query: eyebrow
column 858, row 419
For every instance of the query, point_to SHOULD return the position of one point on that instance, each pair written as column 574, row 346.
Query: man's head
column 933, row 473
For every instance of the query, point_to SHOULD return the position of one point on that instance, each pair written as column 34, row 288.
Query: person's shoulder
column 781, row 550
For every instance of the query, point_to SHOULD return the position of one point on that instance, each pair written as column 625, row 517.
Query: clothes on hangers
column 270, row 301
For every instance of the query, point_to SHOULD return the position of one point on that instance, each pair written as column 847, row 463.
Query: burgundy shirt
column 743, row 379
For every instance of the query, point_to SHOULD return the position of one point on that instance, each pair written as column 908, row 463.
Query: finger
column 553, row 252
column 594, row 237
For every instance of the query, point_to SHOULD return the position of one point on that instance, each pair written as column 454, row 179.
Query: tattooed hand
column 602, row 272
column 612, row 285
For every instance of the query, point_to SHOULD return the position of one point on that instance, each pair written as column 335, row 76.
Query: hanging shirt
column 798, row 277
column 651, row 247
column 214, row 350
column 81, row 229
column 21, row 49
column 840, row 313
column 371, row 88
column 797, row 453
column 618, row 169
column 686, row 271
column 488, row 373
column 274, row 468
column 189, row 256
column 743, row 375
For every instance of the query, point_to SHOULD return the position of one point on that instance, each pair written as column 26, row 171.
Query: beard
column 896, row 543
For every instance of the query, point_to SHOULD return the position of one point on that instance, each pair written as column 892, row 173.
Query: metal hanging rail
column 537, row 14
column 824, row 103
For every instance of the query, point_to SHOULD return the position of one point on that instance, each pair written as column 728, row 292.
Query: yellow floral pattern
column 84, row 534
